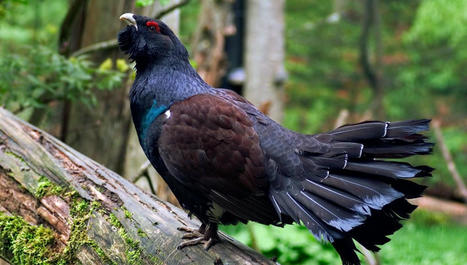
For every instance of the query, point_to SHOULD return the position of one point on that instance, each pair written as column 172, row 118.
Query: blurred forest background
column 312, row 65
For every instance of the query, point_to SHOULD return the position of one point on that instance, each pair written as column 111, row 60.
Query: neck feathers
column 157, row 87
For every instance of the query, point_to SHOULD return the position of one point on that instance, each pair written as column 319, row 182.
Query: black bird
column 226, row 162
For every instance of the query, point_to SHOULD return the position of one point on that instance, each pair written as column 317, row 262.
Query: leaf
column 142, row 3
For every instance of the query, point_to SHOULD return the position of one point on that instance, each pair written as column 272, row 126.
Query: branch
column 100, row 46
column 341, row 118
column 112, row 44
column 95, row 216
column 142, row 171
column 169, row 8
column 449, row 161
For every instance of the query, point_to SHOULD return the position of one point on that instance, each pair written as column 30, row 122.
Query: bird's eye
column 153, row 26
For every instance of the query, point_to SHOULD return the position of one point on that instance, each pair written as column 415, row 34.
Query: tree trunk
column 264, row 56
column 214, row 23
column 90, row 214
column 111, row 115
column 373, row 72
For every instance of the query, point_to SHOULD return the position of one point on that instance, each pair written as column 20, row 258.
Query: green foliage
column 7, row 4
column 435, row 46
column 322, row 61
column 34, row 22
column 437, row 22
column 141, row 3
column 42, row 76
column 188, row 26
column 424, row 61
column 427, row 244
column 32, row 73
column 425, row 218
column 292, row 244
column 428, row 239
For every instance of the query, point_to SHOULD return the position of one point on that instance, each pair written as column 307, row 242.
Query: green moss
column 80, row 211
column 141, row 233
column 127, row 213
column 45, row 188
column 156, row 260
column 100, row 252
column 22, row 243
column 20, row 158
column 132, row 251
column 98, row 207
column 114, row 221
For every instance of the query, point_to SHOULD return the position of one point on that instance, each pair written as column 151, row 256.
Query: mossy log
column 60, row 207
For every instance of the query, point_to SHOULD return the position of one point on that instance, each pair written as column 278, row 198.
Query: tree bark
column 373, row 72
column 264, row 56
column 214, row 24
column 96, row 216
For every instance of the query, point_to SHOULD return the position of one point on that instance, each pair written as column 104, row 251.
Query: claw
column 206, row 235
column 186, row 229
column 208, row 244
column 192, row 235
column 192, row 242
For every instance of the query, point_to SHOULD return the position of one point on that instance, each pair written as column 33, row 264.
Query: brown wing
column 210, row 143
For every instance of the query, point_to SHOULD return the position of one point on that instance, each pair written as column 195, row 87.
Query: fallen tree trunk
column 60, row 207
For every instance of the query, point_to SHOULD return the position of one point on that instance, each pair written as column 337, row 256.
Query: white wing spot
column 167, row 114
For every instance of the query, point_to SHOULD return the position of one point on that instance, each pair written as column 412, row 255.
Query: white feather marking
column 386, row 125
column 345, row 161
column 167, row 114
column 361, row 151
column 276, row 206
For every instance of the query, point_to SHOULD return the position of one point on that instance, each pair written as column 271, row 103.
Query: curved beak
column 129, row 19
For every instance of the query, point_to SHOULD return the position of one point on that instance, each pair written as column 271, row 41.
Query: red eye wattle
column 154, row 25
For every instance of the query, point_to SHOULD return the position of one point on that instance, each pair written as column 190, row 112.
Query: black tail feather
column 388, row 169
column 348, row 191
column 396, row 149
column 346, row 249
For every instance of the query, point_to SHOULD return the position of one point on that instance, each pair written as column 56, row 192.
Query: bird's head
column 149, row 40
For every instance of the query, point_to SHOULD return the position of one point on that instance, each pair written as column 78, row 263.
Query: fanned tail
column 348, row 190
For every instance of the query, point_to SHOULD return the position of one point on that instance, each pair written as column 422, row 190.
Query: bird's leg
column 211, row 236
column 206, row 235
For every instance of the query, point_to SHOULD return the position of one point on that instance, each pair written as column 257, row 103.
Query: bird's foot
column 206, row 235
column 190, row 232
